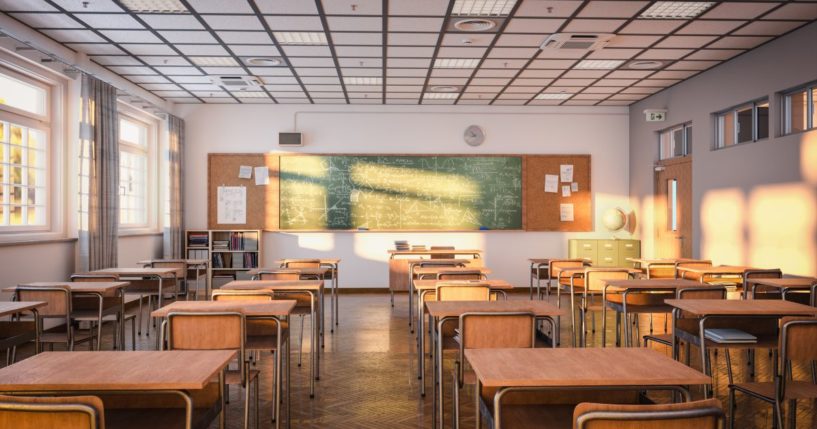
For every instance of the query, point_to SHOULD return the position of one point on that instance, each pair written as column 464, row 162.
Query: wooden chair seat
column 794, row 390
column 537, row 416
column 45, row 413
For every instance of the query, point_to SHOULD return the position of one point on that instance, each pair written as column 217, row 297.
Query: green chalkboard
column 400, row 192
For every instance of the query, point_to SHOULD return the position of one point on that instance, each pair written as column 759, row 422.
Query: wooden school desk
column 18, row 336
column 400, row 276
column 194, row 268
column 510, row 370
column 413, row 264
column 782, row 285
column 277, row 310
column 540, row 266
column 314, row 288
column 728, row 273
column 432, row 271
column 442, row 312
column 99, row 290
column 334, row 265
column 721, row 309
column 428, row 286
column 120, row 372
column 321, row 273
column 646, row 265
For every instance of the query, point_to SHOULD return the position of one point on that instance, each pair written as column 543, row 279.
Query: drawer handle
column 586, row 246
column 628, row 245
column 608, row 259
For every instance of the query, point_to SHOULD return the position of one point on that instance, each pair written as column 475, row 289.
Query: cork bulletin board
column 542, row 208
column 262, row 200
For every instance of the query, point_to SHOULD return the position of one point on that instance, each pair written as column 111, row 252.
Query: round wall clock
column 474, row 135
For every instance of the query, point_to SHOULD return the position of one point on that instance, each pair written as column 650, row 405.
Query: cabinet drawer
column 607, row 260
column 629, row 248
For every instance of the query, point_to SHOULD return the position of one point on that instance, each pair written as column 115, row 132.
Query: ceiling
column 405, row 51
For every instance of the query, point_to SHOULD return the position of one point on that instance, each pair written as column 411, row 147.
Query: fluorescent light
column 300, row 37
column 440, row 96
column 154, row 6
column 676, row 9
column 456, row 63
column 483, row 7
column 553, row 96
column 256, row 94
column 598, row 64
column 353, row 80
column 214, row 61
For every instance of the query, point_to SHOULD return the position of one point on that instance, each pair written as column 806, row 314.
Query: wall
column 755, row 203
column 601, row 132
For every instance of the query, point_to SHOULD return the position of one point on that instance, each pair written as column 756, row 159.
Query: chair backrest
column 302, row 263
column 774, row 273
column 556, row 265
column 461, row 275
column 208, row 331
column 94, row 278
column 662, row 270
column 702, row 292
column 493, row 330
column 706, row 414
column 37, row 412
column 442, row 255
column 594, row 278
column 693, row 263
column 278, row 275
column 463, row 292
column 178, row 264
column 57, row 299
column 242, row 295
column 797, row 340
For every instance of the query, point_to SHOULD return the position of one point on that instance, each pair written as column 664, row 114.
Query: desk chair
column 796, row 343
column 304, row 263
column 692, row 263
column 487, row 331
column 216, row 331
column 706, row 414
column 111, row 308
column 635, row 303
column 305, row 300
column 64, row 412
column 179, row 264
column 442, row 255
column 555, row 266
column 59, row 307
column 586, row 285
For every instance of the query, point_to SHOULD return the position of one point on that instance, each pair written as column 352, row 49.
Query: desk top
column 436, row 252
column 115, row 370
column 14, row 307
column 580, row 367
column 547, row 260
column 78, row 287
column 186, row 261
column 434, row 270
column 659, row 261
column 438, row 261
column 720, row 269
column 786, row 282
column 250, row 308
column 580, row 270
column 455, row 308
column 651, row 284
column 323, row 260
column 738, row 307
column 140, row 271
column 308, row 271
column 313, row 285
column 432, row 284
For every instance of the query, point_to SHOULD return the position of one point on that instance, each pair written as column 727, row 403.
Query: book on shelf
column 197, row 254
column 198, row 239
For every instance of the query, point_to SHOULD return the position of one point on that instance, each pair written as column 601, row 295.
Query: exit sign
column 655, row 115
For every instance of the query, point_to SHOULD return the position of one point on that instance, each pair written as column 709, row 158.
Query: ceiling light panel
column 554, row 96
column 483, row 7
column 456, row 63
column 598, row 64
column 254, row 94
column 300, row 37
column 214, row 61
column 440, row 96
column 675, row 10
column 154, row 6
column 362, row 80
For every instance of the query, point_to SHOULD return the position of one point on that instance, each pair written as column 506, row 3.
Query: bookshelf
column 229, row 251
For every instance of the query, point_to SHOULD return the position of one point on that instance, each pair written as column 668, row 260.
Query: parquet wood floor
column 368, row 375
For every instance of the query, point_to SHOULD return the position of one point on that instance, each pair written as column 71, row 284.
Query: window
column 800, row 109
column 746, row 123
column 672, row 204
column 134, row 149
column 25, row 133
column 675, row 142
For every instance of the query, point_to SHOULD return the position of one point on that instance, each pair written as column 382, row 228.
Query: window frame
column 810, row 90
column 50, row 124
column 686, row 129
column 721, row 116
column 152, row 181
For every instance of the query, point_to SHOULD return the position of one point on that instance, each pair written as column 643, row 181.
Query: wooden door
column 673, row 208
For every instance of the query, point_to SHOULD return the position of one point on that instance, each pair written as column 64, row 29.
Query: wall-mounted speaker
column 290, row 139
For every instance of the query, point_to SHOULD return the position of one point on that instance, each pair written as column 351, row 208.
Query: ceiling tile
column 551, row 64
column 411, row 52
column 196, row 86
column 295, row 23
column 715, row 54
column 74, row 36
column 540, row 73
column 738, row 10
column 768, row 28
column 360, row 62
column 218, row 6
column 657, row 82
column 573, row 82
column 415, row 24
column 359, row 51
column 92, row 6
column 624, row 41
column 593, row 25
column 224, row 70
column 482, row 89
column 580, row 74
column 533, row 81
column 641, row 90
column 585, row 96
column 45, row 20
column 417, row 7
column 467, row 40
column 503, row 64
column 513, row 52
column 203, row 50
column 710, row 27
column 452, row 81
column 160, row 86
column 245, row 37
column 374, row 72
column 597, row 89
column 541, row 27
column 120, row 21
column 561, row 53
column 520, row 40
column 95, row 49
column 451, row 72
column 287, row 7
column 132, row 70
column 311, row 62
column 255, row 50
column 422, row 63
column 794, row 11
column 177, row 93
column 609, row 9
column 357, row 39
column 188, row 37
column 685, row 41
column 652, row 26
column 664, row 54
column 352, row 7
column 692, row 65
column 496, row 73
column 561, row 9
column 455, row 52
column 116, row 60
column 40, row 6
column 405, row 88
column 179, row 71
column 413, row 39
column 131, row 36
column 233, row 22
column 307, row 51
column 353, row 23
column 171, row 22
column 190, row 79
column 515, row 89
column 613, row 54
column 744, row 42
column 148, row 79
column 406, row 80
column 673, row 74
column 271, row 71
column 629, row 74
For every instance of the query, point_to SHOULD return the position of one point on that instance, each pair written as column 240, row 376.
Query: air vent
column 585, row 42
column 237, row 82
column 474, row 24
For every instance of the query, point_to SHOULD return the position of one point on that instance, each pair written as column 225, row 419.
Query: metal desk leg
column 433, row 373
column 222, row 416
column 411, row 295
column 704, row 366
column 314, row 352
column 335, row 290
column 121, row 327
column 276, row 405
column 421, row 352
column 530, row 276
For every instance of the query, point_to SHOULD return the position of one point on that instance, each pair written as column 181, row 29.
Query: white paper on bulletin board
column 232, row 205
column 566, row 212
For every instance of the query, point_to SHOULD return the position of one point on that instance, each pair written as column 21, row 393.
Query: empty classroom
column 419, row 214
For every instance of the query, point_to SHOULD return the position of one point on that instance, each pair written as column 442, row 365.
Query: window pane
column 727, row 129
column 814, row 108
column 678, row 142
column 22, row 95
column 16, row 215
column 763, row 120
column 745, row 124
column 132, row 132
column 796, row 104
column 688, row 146
column 672, row 190
column 664, row 145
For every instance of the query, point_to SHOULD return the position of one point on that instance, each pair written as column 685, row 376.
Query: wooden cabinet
column 605, row 253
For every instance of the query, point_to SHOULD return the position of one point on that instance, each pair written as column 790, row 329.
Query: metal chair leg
column 732, row 408
column 301, row 340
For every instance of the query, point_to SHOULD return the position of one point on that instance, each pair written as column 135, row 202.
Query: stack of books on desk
column 401, row 245
column 729, row 336
column 419, row 247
